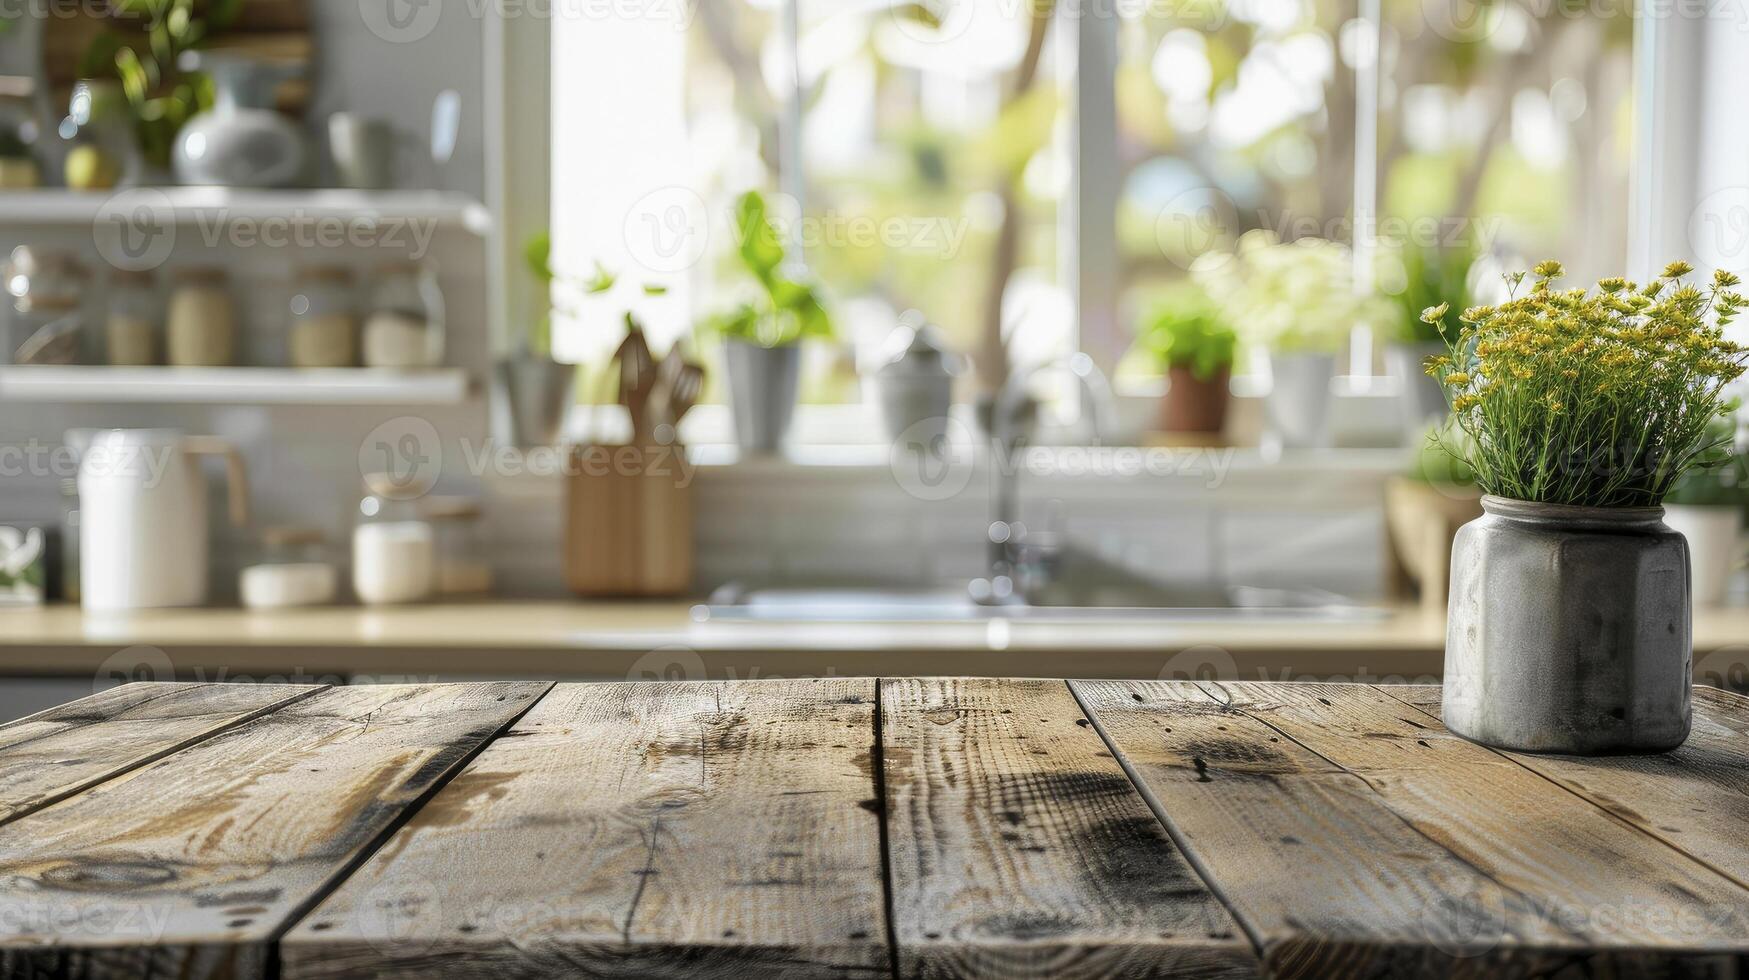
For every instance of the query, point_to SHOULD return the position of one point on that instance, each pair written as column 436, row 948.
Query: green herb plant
column 142, row 46
column 1185, row 329
column 787, row 310
column 1598, row 399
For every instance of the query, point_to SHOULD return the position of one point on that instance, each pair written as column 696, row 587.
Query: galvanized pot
column 1569, row 630
column 762, row 393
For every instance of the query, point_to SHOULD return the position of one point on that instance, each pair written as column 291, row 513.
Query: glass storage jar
column 394, row 549
column 201, row 327
column 292, row 569
column 462, row 568
column 135, row 322
column 324, row 327
column 46, row 323
column 406, row 323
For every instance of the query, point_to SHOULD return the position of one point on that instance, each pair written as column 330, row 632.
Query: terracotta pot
column 1195, row 405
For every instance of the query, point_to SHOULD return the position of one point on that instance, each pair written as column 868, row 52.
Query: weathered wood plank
column 1695, row 799
column 1325, row 878
column 53, row 754
column 1018, row 847
column 191, row 865
column 635, row 830
column 1620, row 890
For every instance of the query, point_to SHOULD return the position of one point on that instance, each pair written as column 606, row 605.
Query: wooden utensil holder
column 628, row 521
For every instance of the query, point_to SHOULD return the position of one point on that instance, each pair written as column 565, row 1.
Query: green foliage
column 160, row 95
column 1432, row 276
column 1435, row 459
column 1186, row 329
column 788, row 310
column 1604, row 399
column 1724, row 485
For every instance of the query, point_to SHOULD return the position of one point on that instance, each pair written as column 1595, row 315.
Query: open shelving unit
column 235, row 386
column 217, row 205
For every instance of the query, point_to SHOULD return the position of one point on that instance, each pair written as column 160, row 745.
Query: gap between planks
column 123, row 768
column 1179, row 840
column 879, row 766
column 1650, row 830
column 298, row 913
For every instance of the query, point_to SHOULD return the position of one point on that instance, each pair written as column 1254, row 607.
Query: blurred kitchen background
column 957, row 320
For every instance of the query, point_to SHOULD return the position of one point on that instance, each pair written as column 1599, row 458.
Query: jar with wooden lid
column 462, row 568
column 291, row 570
column 324, row 326
column 201, row 327
column 135, row 323
column 406, row 323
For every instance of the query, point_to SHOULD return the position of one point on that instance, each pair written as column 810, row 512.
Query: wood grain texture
column 1020, row 849
column 1638, row 905
column 51, row 755
column 192, row 865
column 1325, row 878
column 1695, row 799
column 634, row 830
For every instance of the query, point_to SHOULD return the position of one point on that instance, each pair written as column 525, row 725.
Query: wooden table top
column 856, row 828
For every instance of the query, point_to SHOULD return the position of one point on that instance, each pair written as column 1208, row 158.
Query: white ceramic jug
column 143, row 510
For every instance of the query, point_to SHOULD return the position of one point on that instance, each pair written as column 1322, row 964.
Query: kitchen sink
column 737, row 602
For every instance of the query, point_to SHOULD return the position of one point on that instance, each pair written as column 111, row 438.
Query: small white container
column 293, row 571
column 394, row 550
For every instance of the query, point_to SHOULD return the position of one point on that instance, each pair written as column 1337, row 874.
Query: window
column 1040, row 170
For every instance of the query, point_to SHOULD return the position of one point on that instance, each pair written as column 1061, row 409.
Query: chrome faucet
column 1020, row 560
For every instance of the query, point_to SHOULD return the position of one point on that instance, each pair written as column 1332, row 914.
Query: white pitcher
column 143, row 513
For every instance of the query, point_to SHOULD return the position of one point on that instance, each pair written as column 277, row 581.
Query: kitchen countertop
column 653, row 640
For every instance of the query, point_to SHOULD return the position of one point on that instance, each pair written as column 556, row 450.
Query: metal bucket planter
column 1569, row 630
column 762, row 393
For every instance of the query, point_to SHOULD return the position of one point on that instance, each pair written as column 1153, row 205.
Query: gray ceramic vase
column 1569, row 630
column 763, row 382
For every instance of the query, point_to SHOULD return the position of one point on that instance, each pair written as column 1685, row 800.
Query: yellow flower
column 1457, row 379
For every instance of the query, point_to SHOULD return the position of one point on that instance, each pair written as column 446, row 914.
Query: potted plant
column 1430, row 277
column 1189, row 338
column 1707, row 508
column 1569, row 624
column 1297, row 301
column 762, row 338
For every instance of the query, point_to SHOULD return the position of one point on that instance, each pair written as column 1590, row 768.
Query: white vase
column 1298, row 406
column 1714, row 546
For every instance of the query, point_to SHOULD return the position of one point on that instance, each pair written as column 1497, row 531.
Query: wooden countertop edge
column 579, row 640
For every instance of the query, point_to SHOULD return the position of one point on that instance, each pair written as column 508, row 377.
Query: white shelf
column 235, row 386
column 210, row 205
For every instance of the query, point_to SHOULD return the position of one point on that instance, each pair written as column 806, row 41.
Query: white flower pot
column 1298, row 406
column 1715, row 537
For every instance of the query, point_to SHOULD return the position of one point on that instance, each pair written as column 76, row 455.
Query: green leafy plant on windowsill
column 1723, row 485
column 141, row 46
column 1432, row 276
column 1436, row 462
column 1185, row 329
column 787, row 310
